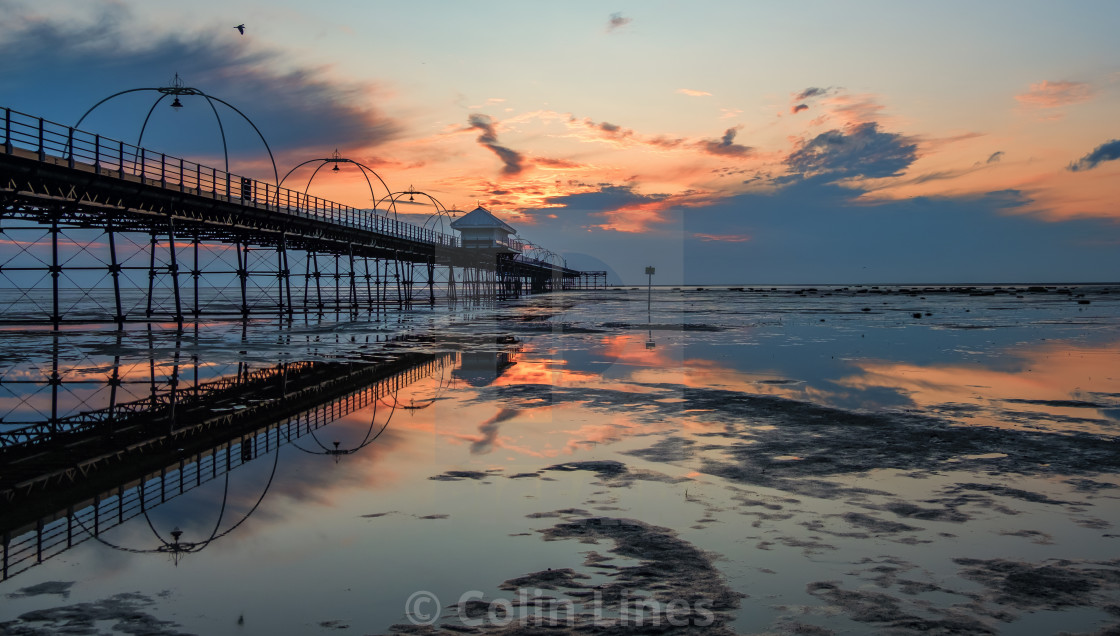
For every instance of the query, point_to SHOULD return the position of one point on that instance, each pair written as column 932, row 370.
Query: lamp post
column 649, row 307
column 649, row 295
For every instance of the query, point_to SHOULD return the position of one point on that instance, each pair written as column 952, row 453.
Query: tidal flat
column 777, row 460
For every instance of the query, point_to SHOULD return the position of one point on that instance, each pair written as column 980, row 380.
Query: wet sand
column 809, row 469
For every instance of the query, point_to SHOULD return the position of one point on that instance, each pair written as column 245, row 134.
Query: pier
column 98, row 230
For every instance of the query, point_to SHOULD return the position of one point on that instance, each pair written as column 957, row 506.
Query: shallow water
column 852, row 459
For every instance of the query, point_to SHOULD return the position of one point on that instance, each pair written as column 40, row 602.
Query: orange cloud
column 643, row 215
column 1065, row 195
column 556, row 164
column 1048, row 94
column 635, row 217
column 725, row 145
column 855, row 109
column 692, row 93
column 589, row 130
column 507, row 198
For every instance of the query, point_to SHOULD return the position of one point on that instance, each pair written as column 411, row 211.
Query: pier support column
column 280, row 279
column 173, row 268
column 431, row 282
column 151, row 273
column 369, row 288
column 378, row 294
column 285, row 272
column 353, row 285
column 115, row 272
column 397, row 265
column 318, row 289
column 196, row 274
column 243, row 276
column 337, row 291
column 56, row 273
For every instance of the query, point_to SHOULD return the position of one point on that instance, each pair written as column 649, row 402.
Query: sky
column 737, row 143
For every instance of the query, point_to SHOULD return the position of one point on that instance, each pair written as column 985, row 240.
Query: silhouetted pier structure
column 98, row 230
column 76, row 478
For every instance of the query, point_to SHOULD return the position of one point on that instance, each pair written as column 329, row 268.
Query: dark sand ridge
column 686, row 594
column 124, row 612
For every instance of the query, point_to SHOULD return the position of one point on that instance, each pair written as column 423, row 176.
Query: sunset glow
column 599, row 128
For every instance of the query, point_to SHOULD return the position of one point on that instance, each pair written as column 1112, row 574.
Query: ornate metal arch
column 176, row 89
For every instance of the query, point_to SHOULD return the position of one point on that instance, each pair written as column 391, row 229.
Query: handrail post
column 70, row 145
column 97, row 154
column 42, row 153
column 143, row 163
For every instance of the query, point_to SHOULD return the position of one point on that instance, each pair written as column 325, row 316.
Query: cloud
column 617, row 22
column 995, row 157
column 1054, row 94
column 614, row 208
column 556, row 164
column 858, row 151
column 636, row 218
column 57, row 69
column 621, row 136
column 661, row 141
column 625, row 137
column 692, row 93
column 856, row 109
column 1108, row 151
column 511, row 159
column 726, row 145
column 489, row 431
column 817, row 232
column 941, row 175
column 723, row 238
column 798, row 101
column 812, row 91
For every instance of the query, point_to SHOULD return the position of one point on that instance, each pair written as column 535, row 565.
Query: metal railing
column 536, row 262
column 65, row 145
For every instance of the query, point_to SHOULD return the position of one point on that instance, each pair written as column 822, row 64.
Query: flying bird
column 240, row 29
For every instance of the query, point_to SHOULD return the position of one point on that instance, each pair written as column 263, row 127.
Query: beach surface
column 825, row 460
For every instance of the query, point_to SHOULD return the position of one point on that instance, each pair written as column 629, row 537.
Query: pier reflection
column 76, row 476
column 481, row 368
